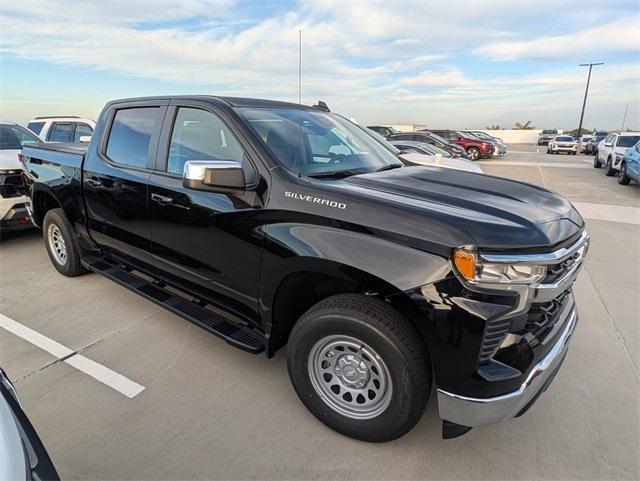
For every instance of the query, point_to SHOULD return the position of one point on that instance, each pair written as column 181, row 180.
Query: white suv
column 13, row 200
column 612, row 149
column 62, row 129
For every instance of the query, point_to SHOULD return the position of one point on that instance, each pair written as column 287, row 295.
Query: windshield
column 14, row 137
column 552, row 131
column 309, row 142
column 564, row 139
column 627, row 140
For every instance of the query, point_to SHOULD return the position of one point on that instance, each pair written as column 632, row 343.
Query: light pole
column 586, row 91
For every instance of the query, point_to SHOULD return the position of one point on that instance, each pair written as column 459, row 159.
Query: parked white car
column 67, row 129
column 13, row 201
column 583, row 142
column 563, row 143
column 612, row 149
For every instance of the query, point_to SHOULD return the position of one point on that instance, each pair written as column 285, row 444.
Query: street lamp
column 586, row 91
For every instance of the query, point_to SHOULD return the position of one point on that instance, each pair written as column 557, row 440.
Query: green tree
column 524, row 126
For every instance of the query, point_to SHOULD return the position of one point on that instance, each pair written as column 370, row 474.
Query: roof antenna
column 322, row 106
column 300, row 66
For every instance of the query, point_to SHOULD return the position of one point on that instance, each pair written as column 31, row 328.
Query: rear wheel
column 360, row 367
column 596, row 162
column 473, row 153
column 61, row 244
column 623, row 178
column 609, row 171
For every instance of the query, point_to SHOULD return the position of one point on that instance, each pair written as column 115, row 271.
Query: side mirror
column 85, row 139
column 608, row 144
column 214, row 175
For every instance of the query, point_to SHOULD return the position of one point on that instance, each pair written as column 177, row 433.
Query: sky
column 454, row 64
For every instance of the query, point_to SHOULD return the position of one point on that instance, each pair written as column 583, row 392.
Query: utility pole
column 624, row 120
column 300, row 66
column 586, row 91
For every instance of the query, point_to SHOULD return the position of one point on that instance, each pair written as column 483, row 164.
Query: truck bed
column 57, row 153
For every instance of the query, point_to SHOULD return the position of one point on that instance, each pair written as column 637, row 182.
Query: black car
column 270, row 224
column 591, row 147
column 429, row 138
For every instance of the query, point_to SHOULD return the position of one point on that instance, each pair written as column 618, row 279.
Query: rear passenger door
column 116, row 176
column 208, row 242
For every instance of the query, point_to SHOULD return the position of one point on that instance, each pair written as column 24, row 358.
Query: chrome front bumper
column 470, row 412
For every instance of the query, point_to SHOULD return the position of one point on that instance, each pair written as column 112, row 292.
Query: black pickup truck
column 272, row 224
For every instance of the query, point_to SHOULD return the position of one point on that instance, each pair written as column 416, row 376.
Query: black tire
column 596, row 163
column 375, row 324
column 609, row 171
column 56, row 225
column 473, row 153
column 548, row 151
column 623, row 178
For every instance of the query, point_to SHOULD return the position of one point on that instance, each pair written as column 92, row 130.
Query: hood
column 9, row 159
column 497, row 213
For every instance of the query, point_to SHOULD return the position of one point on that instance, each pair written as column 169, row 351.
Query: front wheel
column 360, row 367
column 623, row 178
column 61, row 244
column 473, row 153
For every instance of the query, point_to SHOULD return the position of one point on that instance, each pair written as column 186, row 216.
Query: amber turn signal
column 465, row 262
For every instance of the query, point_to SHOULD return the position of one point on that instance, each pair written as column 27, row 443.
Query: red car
column 476, row 148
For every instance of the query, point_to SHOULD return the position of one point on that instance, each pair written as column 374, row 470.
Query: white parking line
column 535, row 164
column 97, row 371
column 609, row 212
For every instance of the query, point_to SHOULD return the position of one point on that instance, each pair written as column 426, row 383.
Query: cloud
column 619, row 35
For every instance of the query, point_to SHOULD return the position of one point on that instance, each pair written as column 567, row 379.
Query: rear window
column 14, row 137
column 35, row 127
column 130, row 135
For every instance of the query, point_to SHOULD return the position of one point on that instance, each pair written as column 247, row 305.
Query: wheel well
column 42, row 203
column 296, row 294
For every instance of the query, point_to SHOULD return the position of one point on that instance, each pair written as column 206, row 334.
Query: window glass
column 627, row 140
column 81, row 130
column 35, row 127
column 61, row 132
column 311, row 142
column 200, row 135
column 131, row 134
column 14, row 137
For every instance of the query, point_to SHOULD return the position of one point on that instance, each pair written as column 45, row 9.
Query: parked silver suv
column 546, row 136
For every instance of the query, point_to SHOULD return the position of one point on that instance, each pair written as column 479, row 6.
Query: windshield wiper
column 333, row 174
column 389, row 167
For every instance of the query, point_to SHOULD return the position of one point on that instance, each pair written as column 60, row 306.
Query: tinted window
column 14, row 137
column 130, row 135
column 550, row 131
column 61, row 132
column 627, row 140
column 564, row 139
column 81, row 130
column 311, row 142
column 200, row 135
column 35, row 127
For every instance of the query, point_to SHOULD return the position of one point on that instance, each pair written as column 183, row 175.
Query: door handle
column 94, row 182
column 161, row 199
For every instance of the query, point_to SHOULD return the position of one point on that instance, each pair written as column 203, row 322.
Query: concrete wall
column 516, row 136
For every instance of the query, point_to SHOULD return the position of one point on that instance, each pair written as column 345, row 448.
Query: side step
column 194, row 310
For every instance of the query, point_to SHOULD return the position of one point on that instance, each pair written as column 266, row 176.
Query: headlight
column 468, row 265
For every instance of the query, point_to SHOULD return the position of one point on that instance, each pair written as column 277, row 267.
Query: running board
column 194, row 310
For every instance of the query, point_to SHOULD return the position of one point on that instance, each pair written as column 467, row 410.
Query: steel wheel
column 56, row 244
column 350, row 377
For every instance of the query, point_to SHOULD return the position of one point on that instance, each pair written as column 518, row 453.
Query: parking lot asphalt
column 210, row 411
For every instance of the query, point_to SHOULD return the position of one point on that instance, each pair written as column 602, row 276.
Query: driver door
column 208, row 242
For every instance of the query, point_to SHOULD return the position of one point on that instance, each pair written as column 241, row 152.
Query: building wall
column 516, row 136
